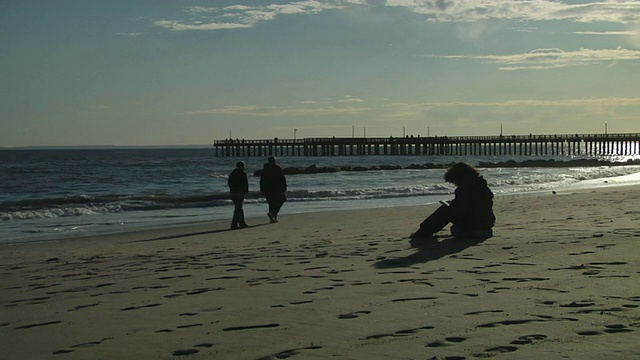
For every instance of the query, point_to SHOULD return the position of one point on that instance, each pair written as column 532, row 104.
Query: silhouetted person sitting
column 470, row 212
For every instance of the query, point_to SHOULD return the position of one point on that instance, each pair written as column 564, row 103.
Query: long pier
column 538, row 145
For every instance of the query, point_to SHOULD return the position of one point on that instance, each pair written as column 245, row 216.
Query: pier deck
column 539, row 145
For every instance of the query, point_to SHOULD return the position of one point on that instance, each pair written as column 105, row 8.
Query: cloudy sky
column 169, row 72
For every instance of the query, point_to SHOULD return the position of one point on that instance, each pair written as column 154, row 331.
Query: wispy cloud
column 243, row 16
column 350, row 99
column 205, row 18
column 606, row 101
column 522, row 116
column 616, row 11
column 197, row 25
column 279, row 111
column 551, row 58
column 402, row 111
column 418, row 111
column 609, row 33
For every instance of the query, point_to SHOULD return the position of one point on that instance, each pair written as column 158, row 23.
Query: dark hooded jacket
column 472, row 208
column 272, row 180
column 238, row 182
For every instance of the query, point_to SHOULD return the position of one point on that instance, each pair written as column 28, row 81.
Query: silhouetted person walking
column 273, row 185
column 470, row 212
column 239, row 187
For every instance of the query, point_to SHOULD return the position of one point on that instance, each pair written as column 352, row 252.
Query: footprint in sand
column 87, row 344
column 609, row 329
column 497, row 350
column 525, row 279
column 289, row 353
column 139, row 307
column 188, row 326
column 578, row 304
column 582, row 253
column 507, row 322
column 455, row 339
column 589, row 333
column 617, row 328
column 63, row 351
column 457, row 293
column 452, row 339
column 353, row 315
column 528, row 339
column 37, row 325
column 185, row 352
column 202, row 291
column 315, row 291
column 83, row 306
column 483, row 312
column 399, row 333
column 191, row 351
column 250, row 327
column 414, row 299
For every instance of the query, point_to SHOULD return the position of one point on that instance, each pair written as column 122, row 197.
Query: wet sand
column 558, row 279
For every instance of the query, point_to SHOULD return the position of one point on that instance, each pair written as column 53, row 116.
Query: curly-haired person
column 470, row 212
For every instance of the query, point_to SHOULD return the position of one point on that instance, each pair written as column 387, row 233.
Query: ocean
column 56, row 194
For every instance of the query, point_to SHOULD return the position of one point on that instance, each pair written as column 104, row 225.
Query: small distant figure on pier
column 470, row 212
column 238, row 187
column 273, row 185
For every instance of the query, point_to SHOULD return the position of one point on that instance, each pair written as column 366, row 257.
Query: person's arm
column 245, row 184
column 461, row 207
column 230, row 180
column 263, row 181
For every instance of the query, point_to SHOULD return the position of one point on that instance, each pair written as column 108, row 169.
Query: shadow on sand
column 177, row 236
column 428, row 250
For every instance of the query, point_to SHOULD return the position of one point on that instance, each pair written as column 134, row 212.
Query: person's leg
column 278, row 202
column 271, row 200
column 241, row 221
column 237, row 210
column 435, row 222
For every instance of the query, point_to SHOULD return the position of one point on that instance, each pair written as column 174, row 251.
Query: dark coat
column 272, row 180
column 238, row 182
column 472, row 208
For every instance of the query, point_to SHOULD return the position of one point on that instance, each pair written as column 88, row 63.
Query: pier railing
column 561, row 144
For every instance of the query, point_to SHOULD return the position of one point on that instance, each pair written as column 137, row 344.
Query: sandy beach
column 558, row 280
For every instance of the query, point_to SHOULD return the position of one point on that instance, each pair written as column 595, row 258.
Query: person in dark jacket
column 273, row 185
column 470, row 212
column 239, row 187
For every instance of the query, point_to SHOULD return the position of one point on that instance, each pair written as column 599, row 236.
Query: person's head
column 271, row 160
column 240, row 165
column 461, row 173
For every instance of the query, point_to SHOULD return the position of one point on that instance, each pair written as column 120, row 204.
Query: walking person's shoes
column 241, row 226
column 272, row 218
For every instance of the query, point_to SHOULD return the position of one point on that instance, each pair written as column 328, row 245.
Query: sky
column 189, row 72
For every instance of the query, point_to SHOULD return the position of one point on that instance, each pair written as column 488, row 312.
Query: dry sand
column 558, row 280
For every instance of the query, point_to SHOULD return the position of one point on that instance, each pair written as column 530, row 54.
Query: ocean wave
column 85, row 205
column 530, row 163
column 361, row 187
